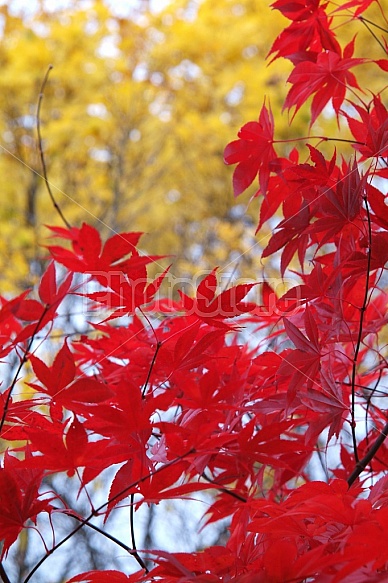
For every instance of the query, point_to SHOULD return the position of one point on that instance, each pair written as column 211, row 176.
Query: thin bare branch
column 362, row 464
column 40, row 146
column 3, row 574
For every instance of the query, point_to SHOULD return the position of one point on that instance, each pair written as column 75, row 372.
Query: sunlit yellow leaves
column 135, row 119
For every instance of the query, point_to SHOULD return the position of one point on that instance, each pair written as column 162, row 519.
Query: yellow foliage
column 135, row 118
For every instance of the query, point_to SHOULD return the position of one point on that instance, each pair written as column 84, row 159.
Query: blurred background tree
column 136, row 114
column 135, row 118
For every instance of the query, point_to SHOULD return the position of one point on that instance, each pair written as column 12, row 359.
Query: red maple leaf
column 376, row 200
column 68, row 448
column 126, row 291
column 360, row 5
column 327, row 79
column 19, row 490
column 371, row 132
column 340, row 207
column 212, row 308
column 308, row 34
column 252, row 152
column 60, row 384
column 291, row 233
column 89, row 255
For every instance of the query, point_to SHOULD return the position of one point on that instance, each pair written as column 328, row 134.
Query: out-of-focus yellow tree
column 135, row 117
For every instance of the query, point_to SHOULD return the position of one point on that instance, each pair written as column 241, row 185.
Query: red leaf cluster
column 177, row 398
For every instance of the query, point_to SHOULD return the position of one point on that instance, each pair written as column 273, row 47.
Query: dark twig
column 134, row 552
column 158, row 346
column 86, row 521
column 364, row 22
column 369, row 403
column 3, row 574
column 221, row 488
column 40, row 146
column 360, row 329
column 118, row 542
column 21, row 364
column 362, row 464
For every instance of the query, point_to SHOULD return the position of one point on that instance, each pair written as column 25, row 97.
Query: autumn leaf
column 309, row 33
column 19, row 486
column 371, row 132
column 214, row 309
column 327, row 79
column 253, row 152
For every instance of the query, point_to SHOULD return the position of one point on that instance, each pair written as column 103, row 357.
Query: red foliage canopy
column 186, row 405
